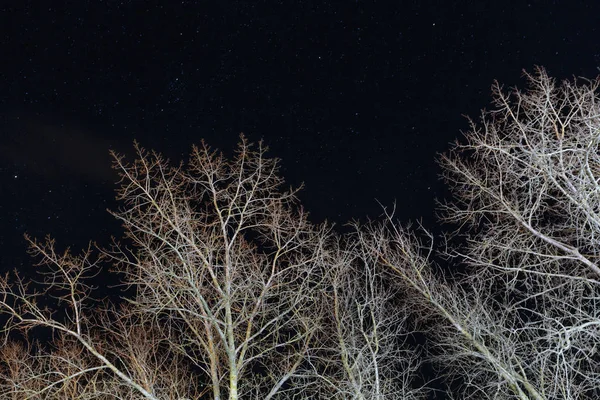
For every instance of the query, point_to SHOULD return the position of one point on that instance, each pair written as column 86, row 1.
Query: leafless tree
column 237, row 296
column 527, row 186
column 224, row 256
column 523, row 321
column 368, row 354
column 93, row 354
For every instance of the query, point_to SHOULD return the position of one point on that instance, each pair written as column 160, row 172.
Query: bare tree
column 527, row 184
column 523, row 322
column 223, row 255
column 237, row 296
column 369, row 357
column 95, row 352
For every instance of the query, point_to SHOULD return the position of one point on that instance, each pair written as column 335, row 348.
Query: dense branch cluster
column 236, row 295
column 526, row 187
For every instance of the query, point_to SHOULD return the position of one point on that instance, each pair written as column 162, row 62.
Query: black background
column 355, row 97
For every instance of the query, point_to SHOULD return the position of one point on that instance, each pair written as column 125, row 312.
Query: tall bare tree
column 523, row 322
column 527, row 184
column 223, row 254
column 368, row 354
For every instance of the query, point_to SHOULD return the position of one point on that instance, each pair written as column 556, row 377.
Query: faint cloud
column 57, row 151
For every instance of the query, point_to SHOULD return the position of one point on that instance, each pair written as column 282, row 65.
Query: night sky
column 355, row 97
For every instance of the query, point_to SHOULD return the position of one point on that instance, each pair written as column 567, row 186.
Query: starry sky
column 355, row 97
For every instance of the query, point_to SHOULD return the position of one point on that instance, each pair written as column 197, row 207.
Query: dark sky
column 355, row 97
